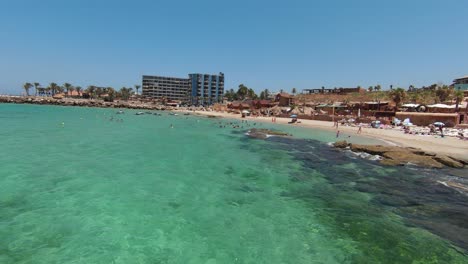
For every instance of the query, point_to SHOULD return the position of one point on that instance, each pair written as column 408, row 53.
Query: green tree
column 293, row 91
column 262, row 95
column 99, row 92
column 251, row 94
column 370, row 89
column 68, row 88
column 378, row 87
column 242, row 92
column 78, row 90
column 26, row 87
column 53, row 88
column 91, row 90
column 398, row 95
column 125, row 93
column 137, row 87
column 60, row 89
column 36, row 87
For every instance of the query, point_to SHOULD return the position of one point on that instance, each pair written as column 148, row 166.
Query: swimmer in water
column 171, row 126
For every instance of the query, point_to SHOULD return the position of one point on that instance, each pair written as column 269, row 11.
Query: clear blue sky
column 263, row 44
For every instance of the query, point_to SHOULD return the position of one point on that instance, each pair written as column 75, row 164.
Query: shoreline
column 447, row 145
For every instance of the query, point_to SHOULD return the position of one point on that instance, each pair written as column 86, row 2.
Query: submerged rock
column 262, row 133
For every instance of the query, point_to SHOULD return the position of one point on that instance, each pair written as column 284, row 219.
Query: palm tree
column 53, row 88
column 78, row 90
column 67, row 87
column 378, row 87
column 370, row 89
column 137, row 87
column 293, row 91
column 71, row 89
column 36, row 87
column 398, row 95
column 60, row 89
column 243, row 91
column 26, row 87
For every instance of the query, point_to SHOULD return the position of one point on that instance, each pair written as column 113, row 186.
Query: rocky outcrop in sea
column 399, row 156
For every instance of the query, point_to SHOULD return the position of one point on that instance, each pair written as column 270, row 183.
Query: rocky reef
column 261, row 133
column 399, row 156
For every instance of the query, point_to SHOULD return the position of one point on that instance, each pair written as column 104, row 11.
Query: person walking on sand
column 360, row 129
column 337, row 134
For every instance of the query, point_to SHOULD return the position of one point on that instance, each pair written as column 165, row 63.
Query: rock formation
column 394, row 156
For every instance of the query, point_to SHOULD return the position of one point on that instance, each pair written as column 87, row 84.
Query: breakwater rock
column 92, row 103
column 399, row 156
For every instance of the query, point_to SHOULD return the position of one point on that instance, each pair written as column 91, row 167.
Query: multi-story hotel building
column 198, row 89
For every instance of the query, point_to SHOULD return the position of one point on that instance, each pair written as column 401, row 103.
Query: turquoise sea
column 85, row 185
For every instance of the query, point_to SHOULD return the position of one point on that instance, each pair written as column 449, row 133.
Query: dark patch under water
column 415, row 194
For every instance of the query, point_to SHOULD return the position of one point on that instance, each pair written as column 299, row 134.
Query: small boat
column 186, row 113
column 139, row 113
column 149, row 113
column 120, row 112
column 157, row 114
column 174, row 114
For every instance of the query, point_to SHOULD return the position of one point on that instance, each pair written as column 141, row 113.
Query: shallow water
column 99, row 191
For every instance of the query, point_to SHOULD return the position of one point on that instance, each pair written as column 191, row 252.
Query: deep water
column 85, row 185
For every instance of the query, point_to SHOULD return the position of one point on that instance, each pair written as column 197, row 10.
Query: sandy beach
column 447, row 145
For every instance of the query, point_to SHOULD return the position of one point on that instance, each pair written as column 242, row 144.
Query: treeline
column 244, row 92
column 92, row 91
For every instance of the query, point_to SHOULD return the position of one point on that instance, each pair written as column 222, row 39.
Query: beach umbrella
column 245, row 112
column 293, row 116
column 439, row 124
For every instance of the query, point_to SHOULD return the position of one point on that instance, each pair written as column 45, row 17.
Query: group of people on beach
column 336, row 124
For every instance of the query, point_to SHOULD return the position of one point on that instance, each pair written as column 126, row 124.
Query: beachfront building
column 197, row 89
column 461, row 83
